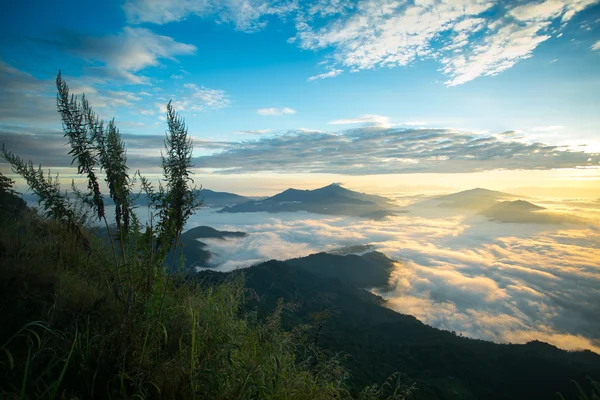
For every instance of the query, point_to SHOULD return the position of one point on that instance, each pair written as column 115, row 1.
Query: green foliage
column 87, row 343
column 377, row 341
column 11, row 204
column 394, row 388
column 113, row 159
column 54, row 202
column 82, row 128
column 77, row 324
column 178, row 200
column 6, row 185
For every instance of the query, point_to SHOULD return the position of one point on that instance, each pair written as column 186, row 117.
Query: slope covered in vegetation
column 65, row 334
column 377, row 341
column 86, row 320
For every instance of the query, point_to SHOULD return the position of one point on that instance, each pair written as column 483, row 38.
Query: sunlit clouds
column 455, row 270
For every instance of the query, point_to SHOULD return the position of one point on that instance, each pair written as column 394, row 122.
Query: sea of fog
column 460, row 272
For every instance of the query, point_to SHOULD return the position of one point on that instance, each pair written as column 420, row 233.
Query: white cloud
column 255, row 132
column 596, row 46
column 368, row 119
column 330, row 74
column 144, row 111
column 468, row 39
column 245, row 15
column 392, row 34
column 500, row 282
column 508, row 40
column 547, row 128
column 193, row 98
column 377, row 148
column 131, row 51
column 208, row 98
column 495, row 54
column 414, row 123
column 387, row 33
column 275, row 111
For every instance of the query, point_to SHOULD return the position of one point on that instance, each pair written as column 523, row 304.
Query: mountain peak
column 516, row 205
column 332, row 186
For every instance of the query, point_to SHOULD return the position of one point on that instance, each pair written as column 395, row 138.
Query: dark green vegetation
column 378, row 341
column 332, row 199
column 86, row 320
column 66, row 334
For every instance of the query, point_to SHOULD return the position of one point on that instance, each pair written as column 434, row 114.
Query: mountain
column 366, row 271
column 209, row 198
column 332, row 199
column 221, row 199
column 378, row 342
column 475, row 199
column 510, row 209
column 524, row 212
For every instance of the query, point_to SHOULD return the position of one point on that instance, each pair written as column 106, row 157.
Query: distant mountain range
column 332, row 200
column 209, row 198
column 378, row 342
column 499, row 207
column 475, row 199
column 524, row 212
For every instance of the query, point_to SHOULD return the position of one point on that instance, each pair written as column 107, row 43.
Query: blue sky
column 265, row 84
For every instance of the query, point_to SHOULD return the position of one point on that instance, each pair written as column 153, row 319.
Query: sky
column 403, row 98
column 381, row 95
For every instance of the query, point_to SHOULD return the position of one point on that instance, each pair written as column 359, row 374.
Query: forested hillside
column 378, row 342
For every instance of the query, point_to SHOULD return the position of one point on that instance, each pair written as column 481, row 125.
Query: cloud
column 201, row 98
column 129, row 52
column 255, row 132
column 496, row 53
column 547, row 128
column 470, row 38
column 369, row 119
column 499, row 282
column 275, row 111
column 24, row 97
column 414, row 123
column 50, row 148
column 245, row 15
column 595, row 46
column 378, row 150
column 475, row 41
column 193, row 98
column 330, row 74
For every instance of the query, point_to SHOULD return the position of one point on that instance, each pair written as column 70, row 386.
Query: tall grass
column 83, row 319
column 66, row 335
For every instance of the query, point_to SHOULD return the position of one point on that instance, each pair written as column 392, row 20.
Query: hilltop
column 474, row 199
column 378, row 341
column 332, row 199
column 524, row 212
